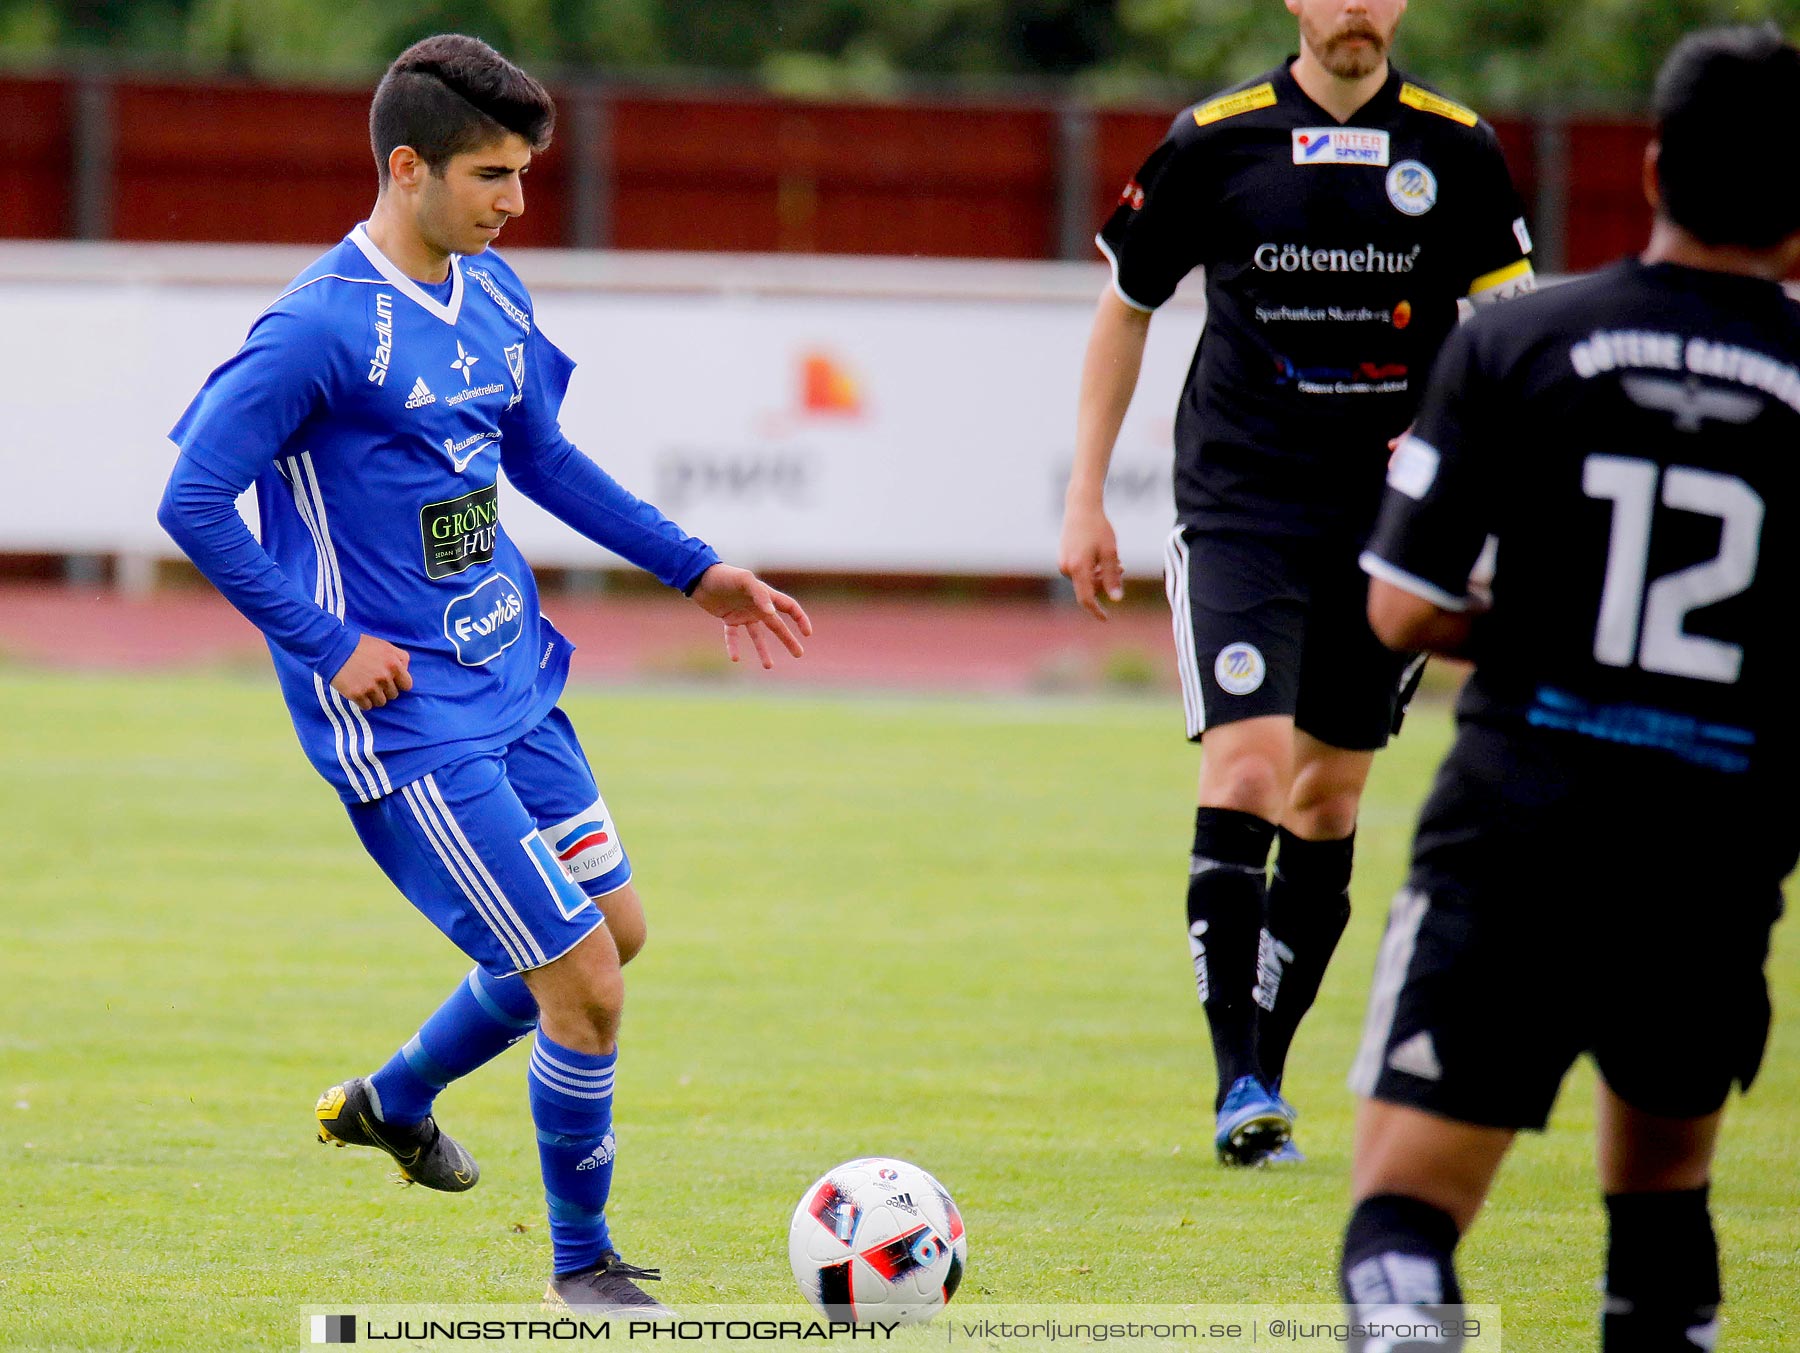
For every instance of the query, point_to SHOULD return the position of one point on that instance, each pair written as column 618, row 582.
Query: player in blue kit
column 373, row 406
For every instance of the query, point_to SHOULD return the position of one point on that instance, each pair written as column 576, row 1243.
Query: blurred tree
column 1500, row 53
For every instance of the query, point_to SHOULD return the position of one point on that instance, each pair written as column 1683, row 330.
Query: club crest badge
column 1412, row 188
column 1239, row 669
column 515, row 364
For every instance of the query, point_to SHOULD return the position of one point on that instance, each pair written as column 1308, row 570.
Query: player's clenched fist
column 374, row 674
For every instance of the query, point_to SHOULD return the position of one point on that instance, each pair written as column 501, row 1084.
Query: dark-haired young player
column 1600, row 861
column 373, row 406
column 1340, row 211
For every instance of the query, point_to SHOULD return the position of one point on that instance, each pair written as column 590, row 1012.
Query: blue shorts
column 504, row 852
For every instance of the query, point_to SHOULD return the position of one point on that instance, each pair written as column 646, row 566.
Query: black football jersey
column 1335, row 255
column 1629, row 441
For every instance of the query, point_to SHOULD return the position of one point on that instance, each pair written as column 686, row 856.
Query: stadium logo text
column 685, row 477
column 384, row 338
column 1305, row 258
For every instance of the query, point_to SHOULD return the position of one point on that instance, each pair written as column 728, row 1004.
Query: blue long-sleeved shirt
column 373, row 418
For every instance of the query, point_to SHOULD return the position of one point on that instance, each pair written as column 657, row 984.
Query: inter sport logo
column 1340, row 145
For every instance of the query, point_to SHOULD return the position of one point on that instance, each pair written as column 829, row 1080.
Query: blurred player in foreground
column 373, row 405
column 1600, row 861
column 1340, row 211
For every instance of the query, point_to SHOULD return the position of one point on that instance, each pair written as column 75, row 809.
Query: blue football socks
column 482, row 1018
column 571, row 1103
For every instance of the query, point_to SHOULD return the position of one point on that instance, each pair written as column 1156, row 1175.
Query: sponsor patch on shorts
column 587, row 845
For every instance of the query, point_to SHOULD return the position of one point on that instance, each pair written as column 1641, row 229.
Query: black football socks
column 1308, row 908
column 1398, row 1258
column 1662, row 1274
column 1226, row 883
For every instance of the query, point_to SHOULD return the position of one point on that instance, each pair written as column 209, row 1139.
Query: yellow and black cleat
column 610, row 1286
column 425, row 1153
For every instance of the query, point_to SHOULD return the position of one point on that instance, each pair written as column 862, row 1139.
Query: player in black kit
column 1600, row 861
column 1340, row 211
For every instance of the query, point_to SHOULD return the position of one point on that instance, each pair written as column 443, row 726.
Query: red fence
column 141, row 159
column 35, row 137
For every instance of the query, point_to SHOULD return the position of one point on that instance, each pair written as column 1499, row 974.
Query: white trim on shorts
column 471, row 876
column 1397, row 948
column 1176, row 566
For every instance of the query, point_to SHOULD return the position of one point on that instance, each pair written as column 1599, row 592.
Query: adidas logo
column 601, row 1155
column 421, row 395
column 1417, row 1056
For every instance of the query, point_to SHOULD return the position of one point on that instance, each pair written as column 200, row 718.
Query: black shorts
column 1268, row 624
column 1484, row 997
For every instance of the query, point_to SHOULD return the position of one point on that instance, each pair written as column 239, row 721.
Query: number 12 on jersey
column 1643, row 626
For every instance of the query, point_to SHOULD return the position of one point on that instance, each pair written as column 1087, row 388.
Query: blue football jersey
column 374, row 417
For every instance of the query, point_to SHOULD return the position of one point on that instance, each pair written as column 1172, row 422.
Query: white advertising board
column 804, row 413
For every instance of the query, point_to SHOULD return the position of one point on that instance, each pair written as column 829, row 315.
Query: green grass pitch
column 944, row 930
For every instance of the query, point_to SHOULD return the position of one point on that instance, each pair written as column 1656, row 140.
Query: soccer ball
column 877, row 1239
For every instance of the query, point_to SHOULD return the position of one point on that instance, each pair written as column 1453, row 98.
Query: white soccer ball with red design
column 878, row 1239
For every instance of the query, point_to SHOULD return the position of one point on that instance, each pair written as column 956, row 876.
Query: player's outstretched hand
column 373, row 674
column 1089, row 558
column 744, row 601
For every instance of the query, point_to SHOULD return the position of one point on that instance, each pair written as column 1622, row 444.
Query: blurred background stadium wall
column 782, row 400
column 839, row 416
column 828, row 268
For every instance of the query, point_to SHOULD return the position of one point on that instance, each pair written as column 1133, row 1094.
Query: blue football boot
column 1253, row 1123
column 1289, row 1153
